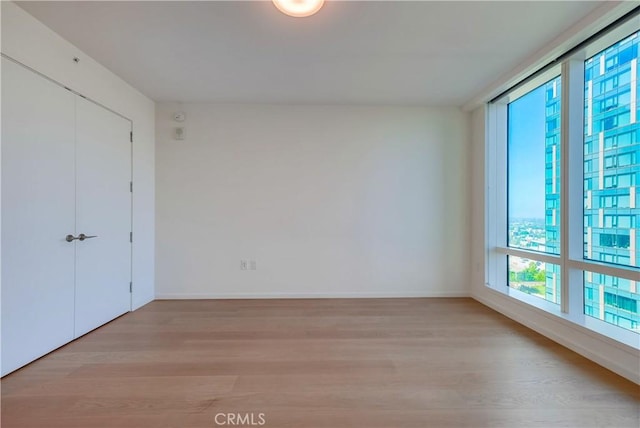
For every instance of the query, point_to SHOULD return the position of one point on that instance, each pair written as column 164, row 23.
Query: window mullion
column 618, row 271
column 572, row 218
column 533, row 255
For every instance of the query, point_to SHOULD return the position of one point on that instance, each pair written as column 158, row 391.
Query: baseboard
column 346, row 295
column 615, row 356
column 137, row 304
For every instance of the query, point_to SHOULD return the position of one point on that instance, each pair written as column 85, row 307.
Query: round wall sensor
column 178, row 116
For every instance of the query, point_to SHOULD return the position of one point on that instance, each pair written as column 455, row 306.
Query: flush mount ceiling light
column 298, row 8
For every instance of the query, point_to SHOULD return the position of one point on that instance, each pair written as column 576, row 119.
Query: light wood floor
column 317, row 363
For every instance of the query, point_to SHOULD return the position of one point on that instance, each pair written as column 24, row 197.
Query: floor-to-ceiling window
column 563, row 201
column 533, row 201
column 611, row 210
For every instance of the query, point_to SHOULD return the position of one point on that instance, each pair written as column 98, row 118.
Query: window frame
column 572, row 261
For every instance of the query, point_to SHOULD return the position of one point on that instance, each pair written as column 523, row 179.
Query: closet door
column 103, row 210
column 38, row 211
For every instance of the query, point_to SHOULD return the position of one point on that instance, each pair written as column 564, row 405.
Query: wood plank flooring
column 367, row 363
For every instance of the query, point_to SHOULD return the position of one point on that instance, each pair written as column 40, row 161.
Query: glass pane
column 612, row 154
column 612, row 299
column 535, row 278
column 534, row 169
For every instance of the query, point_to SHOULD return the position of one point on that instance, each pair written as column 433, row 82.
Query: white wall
column 329, row 201
column 30, row 42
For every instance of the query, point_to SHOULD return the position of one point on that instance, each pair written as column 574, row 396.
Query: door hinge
column 131, row 186
column 131, row 287
column 131, row 137
column 130, row 236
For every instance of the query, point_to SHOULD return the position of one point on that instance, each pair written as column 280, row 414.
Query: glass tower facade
column 553, row 92
column 611, row 174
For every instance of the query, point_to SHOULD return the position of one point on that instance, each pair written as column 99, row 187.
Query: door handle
column 81, row 237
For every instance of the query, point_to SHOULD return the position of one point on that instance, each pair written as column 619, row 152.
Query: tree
column 531, row 272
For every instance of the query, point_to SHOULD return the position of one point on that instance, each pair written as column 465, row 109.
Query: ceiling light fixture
column 298, row 8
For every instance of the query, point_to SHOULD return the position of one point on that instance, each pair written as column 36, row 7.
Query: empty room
column 320, row 214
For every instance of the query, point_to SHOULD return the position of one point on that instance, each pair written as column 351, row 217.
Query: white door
column 103, row 210
column 38, row 211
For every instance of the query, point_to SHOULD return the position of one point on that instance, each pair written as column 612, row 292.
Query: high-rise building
column 553, row 90
column 611, row 175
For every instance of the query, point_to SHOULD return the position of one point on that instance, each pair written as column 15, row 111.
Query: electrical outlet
column 252, row 265
column 243, row 265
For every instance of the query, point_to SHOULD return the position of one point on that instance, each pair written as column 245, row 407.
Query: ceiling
column 351, row 52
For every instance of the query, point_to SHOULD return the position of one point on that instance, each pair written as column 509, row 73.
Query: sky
column 526, row 155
